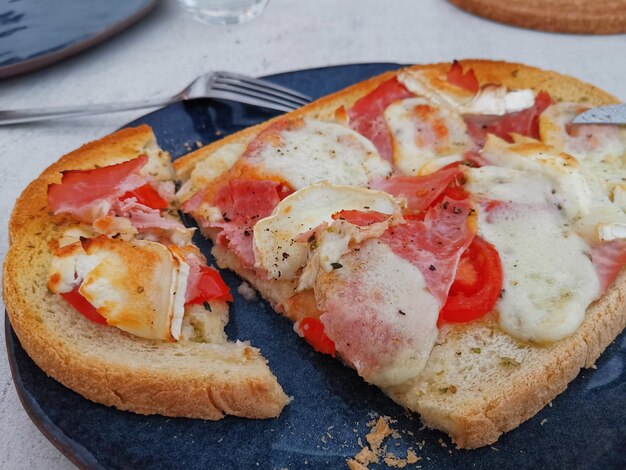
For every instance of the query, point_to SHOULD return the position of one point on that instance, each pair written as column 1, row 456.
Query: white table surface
column 168, row 49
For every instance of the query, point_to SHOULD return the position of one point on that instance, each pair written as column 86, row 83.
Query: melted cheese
column 276, row 238
column 584, row 141
column 321, row 151
column 498, row 101
column 491, row 99
column 435, row 87
column 378, row 293
column 600, row 149
column 583, row 197
column 137, row 286
column 549, row 279
column 421, row 133
column 210, row 168
column 561, row 169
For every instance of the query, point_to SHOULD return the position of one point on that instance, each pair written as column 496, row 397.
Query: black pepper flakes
column 336, row 265
column 207, row 306
column 432, row 268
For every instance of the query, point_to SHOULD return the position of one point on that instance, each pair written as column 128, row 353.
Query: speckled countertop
column 168, row 49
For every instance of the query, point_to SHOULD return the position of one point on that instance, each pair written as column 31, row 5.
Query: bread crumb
column 247, row 292
column 393, row 461
column 380, row 431
column 354, row 465
column 495, row 448
column 593, row 366
column 198, row 144
column 366, row 456
column 543, row 421
column 378, row 434
column 411, row 456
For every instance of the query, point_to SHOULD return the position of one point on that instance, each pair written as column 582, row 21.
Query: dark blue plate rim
column 48, row 59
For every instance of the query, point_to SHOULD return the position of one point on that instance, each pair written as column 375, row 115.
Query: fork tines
column 256, row 88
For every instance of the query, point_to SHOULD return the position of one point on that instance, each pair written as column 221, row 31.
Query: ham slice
column 419, row 191
column 435, row 244
column 88, row 194
column 608, row 259
column 367, row 115
column 524, row 122
column 243, row 202
column 143, row 217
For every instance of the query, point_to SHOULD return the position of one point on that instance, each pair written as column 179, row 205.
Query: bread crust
column 181, row 385
column 472, row 419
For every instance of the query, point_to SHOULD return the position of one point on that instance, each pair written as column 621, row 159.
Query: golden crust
column 102, row 363
column 513, row 75
column 478, row 421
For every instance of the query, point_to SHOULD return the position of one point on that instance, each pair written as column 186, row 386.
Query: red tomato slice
column 360, row 218
column 366, row 116
column 465, row 80
column 466, row 279
column 477, row 284
column 314, row 334
column 82, row 305
column 80, row 187
column 210, row 286
column 147, row 196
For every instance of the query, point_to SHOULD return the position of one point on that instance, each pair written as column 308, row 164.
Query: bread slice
column 185, row 378
column 479, row 382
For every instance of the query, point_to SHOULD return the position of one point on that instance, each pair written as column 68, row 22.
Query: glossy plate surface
column 585, row 427
column 36, row 33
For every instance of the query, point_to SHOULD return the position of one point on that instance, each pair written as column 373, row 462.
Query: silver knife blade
column 611, row 114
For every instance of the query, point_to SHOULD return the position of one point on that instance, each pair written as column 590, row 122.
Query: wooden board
column 565, row 16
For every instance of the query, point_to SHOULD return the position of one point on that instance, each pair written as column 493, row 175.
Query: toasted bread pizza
column 108, row 295
column 444, row 229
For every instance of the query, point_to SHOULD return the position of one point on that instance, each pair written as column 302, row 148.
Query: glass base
column 216, row 12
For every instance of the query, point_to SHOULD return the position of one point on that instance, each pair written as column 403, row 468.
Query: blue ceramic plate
column 36, row 33
column 585, row 427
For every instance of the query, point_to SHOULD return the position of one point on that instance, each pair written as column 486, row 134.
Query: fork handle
column 42, row 114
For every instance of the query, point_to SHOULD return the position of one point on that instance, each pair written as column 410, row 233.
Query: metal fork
column 223, row 85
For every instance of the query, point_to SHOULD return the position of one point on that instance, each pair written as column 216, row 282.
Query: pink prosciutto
column 609, row 259
column 242, row 203
column 88, row 194
column 419, row 191
column 366, row 116
column 524, row 122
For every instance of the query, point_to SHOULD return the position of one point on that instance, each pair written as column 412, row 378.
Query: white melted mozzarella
column 498, row 101
column 562, row 170
column 584, row 141
column 490, row 100
column 211, row 168
column 423, row 133
column 109, row 273
column 549, row 279
column 583, row 197
column 277, row 247
column 380, row 314
column 322, row 151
